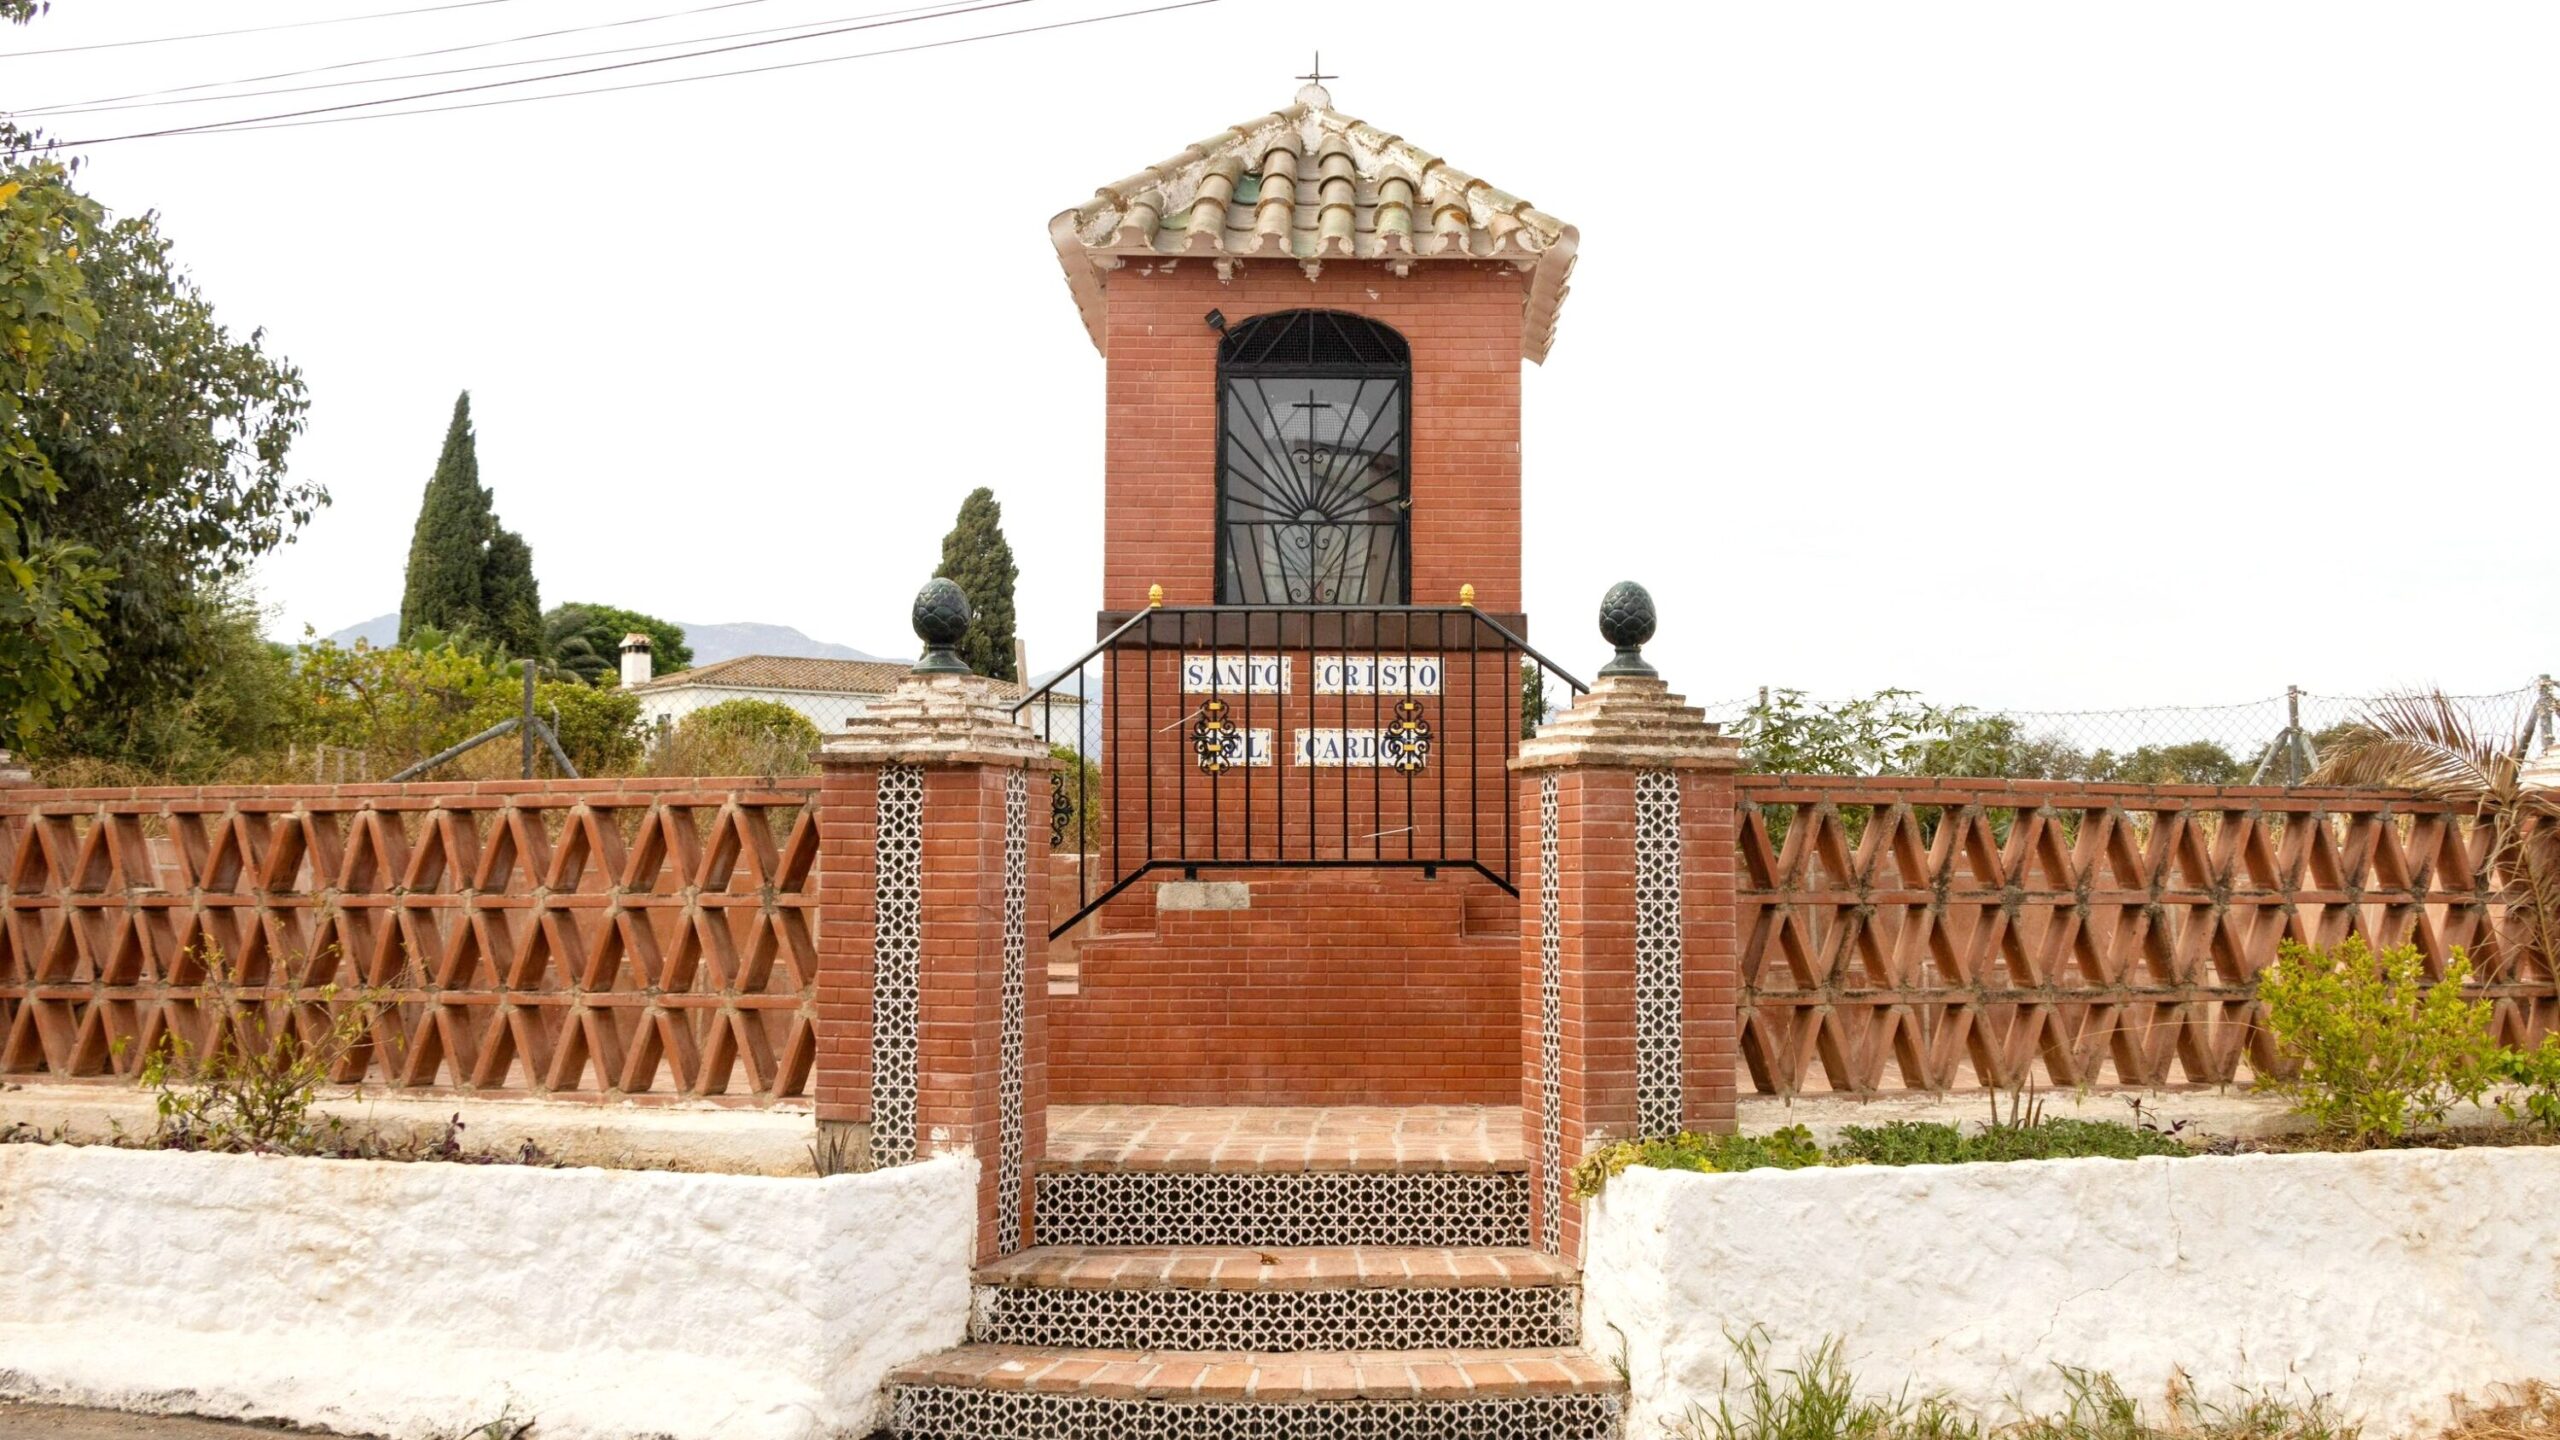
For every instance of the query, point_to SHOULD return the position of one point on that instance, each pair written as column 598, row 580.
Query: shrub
column 2376, row 1048
column 598, row 728
column 1791, row 1148
column 2536, row 1075
column 252, row 1084
column 1913, row 1142
column 745, row 736
column 1076, row 814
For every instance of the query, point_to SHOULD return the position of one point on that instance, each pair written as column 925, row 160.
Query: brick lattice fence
column 1933, row 935
column 657, row 939
column 638, row 938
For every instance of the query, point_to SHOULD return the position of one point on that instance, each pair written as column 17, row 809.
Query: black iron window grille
column 1313, row 500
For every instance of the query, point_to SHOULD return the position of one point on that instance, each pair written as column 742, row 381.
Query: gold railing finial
column 1155, row 597
column 1467, row 596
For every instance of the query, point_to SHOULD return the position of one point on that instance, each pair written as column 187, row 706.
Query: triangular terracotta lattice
column 1996, row 934
column 554, row 939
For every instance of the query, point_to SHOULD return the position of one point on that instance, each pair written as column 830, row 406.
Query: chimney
column 635, row 658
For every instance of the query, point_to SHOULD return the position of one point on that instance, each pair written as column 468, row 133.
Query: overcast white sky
column 2035, row 355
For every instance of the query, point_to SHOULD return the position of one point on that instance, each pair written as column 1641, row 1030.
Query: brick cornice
column 939, row 720
column 1631, row 722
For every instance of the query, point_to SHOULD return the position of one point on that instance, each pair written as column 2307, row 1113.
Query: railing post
column 1628, row 952
column 933, row 936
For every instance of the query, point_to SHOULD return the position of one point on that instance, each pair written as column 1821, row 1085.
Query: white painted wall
column 830, row 710
column 2388, row 1282
column 415, row 1299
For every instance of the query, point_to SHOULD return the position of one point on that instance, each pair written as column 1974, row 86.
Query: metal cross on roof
column 1315, row 73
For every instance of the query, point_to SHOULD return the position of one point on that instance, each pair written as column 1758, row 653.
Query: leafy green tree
column 2197, row 762
column 398, row 704
column 467, row 573
column 599, row 729
column 976, row 556
column 1887, row 733
column 586, row 640
column 51, row 590
column 170, row 436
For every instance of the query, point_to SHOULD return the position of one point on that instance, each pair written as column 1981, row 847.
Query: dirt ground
column 55, row 1422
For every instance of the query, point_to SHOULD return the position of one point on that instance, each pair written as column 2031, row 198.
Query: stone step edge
column 1276, row 1268
column 1416, row 1375
column 1285, row 1165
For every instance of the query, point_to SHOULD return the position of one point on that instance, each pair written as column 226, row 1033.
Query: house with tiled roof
column 829, row 692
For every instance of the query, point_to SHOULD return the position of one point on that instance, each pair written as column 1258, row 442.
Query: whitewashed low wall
column 412, row 1300
column 2388, row 1283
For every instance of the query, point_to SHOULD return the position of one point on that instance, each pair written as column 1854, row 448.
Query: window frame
column 1399, row 370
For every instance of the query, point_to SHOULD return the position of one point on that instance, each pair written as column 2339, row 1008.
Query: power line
column 255, row 29
column 261, row 121
column 296, row 124
column 109, row 102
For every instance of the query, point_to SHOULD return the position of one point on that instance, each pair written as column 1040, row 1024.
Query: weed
column 1818, row 1399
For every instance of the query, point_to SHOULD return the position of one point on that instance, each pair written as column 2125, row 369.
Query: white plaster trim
column 420, row 1299
column 2388, row 1282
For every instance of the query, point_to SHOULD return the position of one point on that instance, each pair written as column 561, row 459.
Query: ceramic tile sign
column 1235, row 674
column 1250, row 747
column 1343, row 749
column 1378, row 674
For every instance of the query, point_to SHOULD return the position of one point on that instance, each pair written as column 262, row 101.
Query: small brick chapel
column 1285, row 856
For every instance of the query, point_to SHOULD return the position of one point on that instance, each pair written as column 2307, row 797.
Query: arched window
column 1312, row 497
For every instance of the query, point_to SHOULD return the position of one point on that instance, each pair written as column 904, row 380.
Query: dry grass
column 2530, row 1411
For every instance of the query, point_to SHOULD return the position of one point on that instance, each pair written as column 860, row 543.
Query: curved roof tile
column 1312, row 184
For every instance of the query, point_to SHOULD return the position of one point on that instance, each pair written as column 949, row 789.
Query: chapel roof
column 1310, row 184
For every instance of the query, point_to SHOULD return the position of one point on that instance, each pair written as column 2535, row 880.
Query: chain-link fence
column 2276, row 740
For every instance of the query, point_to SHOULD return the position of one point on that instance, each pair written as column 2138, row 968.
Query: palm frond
column 2421, row 742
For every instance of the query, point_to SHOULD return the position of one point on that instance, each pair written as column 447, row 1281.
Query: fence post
column 2543, row 706
column 1628, row 952
column 933, row 940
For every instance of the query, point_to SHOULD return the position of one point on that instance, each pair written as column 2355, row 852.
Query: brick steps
column 1248, row 1275
column 984, row 1391
column 1292, row 1300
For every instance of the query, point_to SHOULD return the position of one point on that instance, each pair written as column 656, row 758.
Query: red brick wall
column 1160, row 467
column 1342, row 987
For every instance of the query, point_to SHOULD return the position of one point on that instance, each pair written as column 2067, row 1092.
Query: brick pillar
column 933, row 940
column 1627, row 928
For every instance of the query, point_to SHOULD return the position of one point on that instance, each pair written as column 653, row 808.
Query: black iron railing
column 1249, row 737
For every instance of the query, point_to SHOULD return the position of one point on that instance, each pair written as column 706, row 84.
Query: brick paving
column 1285, row 1137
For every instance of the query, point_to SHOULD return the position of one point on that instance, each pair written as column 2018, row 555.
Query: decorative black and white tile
column 897, row 963
column 1017, row 898
column 1199, row 1207
column 1422, row 1317
column 948, row 1412
column 1658, row 999
column 1550, row 1021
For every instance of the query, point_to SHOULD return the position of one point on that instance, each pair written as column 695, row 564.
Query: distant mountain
column 709, row 642
column 754, row 637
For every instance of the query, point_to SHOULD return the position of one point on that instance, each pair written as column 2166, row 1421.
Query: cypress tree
column 468, row 575
column 510, row 602
column 443, row 587
column 976, row 556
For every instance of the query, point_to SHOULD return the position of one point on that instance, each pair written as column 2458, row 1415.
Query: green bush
column 2536, row 1076
column 747, row 718
column 1913, row 1142
column 1791, row 1148
column 1902, row 1142
column 2375, row 1047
